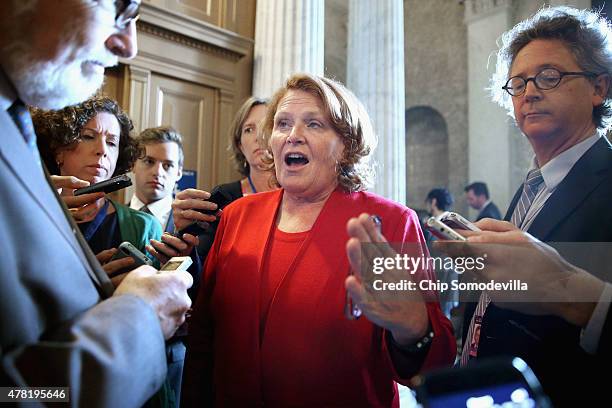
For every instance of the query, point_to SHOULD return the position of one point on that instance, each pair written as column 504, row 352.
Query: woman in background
column 248, row 151
column 248, row 155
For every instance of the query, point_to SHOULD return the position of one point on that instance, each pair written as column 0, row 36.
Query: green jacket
column 137, row 227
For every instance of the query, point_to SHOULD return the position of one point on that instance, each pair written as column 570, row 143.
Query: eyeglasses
column 544, row 80
column 127, row 11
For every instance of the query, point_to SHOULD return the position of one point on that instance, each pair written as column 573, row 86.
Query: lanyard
column 251, row 183
column 96, row 222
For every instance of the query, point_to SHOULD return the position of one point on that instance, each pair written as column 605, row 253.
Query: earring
column 58, row 159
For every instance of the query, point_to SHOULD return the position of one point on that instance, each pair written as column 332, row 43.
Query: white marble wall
column 375, row 72
column 289, row 38
column 489, row 125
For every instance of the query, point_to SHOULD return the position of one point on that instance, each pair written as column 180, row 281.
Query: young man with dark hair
column 477, row 196
column 157, row 173
column 438, row 200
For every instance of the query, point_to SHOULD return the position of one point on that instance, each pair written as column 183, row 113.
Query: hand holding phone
column 443, row 231
column 126, row 249
column 106, row 186
column 84, row 207
column 457, row 222
column 177, row 263
column 218, row 197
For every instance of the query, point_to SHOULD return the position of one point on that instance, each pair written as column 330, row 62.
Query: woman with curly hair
column 91, row 141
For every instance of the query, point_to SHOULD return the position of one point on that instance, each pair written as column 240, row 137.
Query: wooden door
column 190, row 109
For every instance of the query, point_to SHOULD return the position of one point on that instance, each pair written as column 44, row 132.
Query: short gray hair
column 586, row 34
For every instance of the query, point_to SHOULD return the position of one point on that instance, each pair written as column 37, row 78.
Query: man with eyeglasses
column 553, row 76
column 62, row 321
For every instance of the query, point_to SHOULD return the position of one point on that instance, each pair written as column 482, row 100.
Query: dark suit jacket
column 489, row 211
column 170, row 223
column 58, row 325
column 605, row 341
column 578, row 211
column 233, row 190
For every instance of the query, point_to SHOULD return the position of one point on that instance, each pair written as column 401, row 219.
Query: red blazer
column 310, row 355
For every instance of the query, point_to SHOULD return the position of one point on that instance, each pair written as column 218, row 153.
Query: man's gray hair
column 586, row 34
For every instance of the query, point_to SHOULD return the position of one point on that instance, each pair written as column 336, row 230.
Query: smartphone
column 106, row 186
column 442, row 231
column 177, row 263
column 490, row 383
column 457, row 222
column 218, row 197
column 126, row 250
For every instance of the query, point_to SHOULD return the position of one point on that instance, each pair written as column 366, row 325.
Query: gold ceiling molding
column 191, row 32
column 187, row 41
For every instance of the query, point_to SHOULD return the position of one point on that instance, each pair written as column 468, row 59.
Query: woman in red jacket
column 268, row 326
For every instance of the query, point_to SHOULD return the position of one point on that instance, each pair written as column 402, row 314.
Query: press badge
column 473, row 351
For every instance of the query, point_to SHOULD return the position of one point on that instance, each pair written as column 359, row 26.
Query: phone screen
column 171, row 265
column 507, row 395
column 496, row 382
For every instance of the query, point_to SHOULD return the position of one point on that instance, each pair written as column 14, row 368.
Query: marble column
column 289, row 38
column 375, row 73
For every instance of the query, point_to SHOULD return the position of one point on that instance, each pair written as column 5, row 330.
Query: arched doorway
column 426, row 153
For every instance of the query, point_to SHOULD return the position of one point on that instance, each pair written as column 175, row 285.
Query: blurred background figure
column 438, row 201
column 477, row 197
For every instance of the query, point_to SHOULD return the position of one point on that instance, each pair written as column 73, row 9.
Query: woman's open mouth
column 295, row 160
